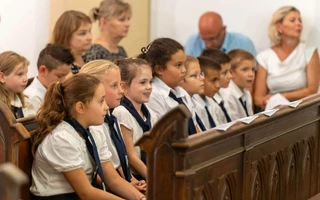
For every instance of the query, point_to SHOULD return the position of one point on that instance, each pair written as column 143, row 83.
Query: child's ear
column 123, row 86
column 80, row 107
column 42, row 70
column 2, row 77
column 158, row 70
column 232, row 72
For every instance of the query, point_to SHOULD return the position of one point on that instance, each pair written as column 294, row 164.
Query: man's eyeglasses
column 214, row 39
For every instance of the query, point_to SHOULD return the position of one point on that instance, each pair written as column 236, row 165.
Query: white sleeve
column 62, row 152
column 124, row 117
column 102, row 145
column 262, row 58
column 308, row 53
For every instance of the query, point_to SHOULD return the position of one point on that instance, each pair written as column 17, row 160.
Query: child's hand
column 140, row 185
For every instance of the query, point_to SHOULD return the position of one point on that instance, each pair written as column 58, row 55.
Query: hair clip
column 144, row 50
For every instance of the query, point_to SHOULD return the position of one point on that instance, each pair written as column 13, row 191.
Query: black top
column 99, row 52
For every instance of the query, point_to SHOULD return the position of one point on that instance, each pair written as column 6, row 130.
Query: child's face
column 56, row 75
column 175, row 70
column 97, row 109
column 17, row 80
column 243, row 75
column 193, row 81
column 140, row 88
column 113, row 90
column 225, row 75
column 81, row 39
column 211, row 82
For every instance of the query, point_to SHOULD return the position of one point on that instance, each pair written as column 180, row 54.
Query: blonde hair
column 68, row 23
column 189, row 60
column 97, row 68
column 109, row 9
column 278, row 17
column 9, row 60
column 239, row 55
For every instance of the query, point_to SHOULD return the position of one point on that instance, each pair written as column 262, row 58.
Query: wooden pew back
column 272, row 158
column 15, row 145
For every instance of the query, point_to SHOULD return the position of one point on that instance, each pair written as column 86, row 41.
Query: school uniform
column 205, row 111
column 34, row 93
column 163, row 98
column 221, row 110
column 64, row 150
column 129, row 118
column 17, row 109
column 238, row 102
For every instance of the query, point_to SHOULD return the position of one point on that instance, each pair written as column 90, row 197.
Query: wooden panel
column 273, row 158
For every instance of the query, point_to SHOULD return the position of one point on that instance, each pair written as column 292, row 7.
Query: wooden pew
column 11, row 178
column 272, row 158
column 15, row 145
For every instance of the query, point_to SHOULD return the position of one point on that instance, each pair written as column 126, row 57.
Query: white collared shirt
column 61, row 151
column 217, row 99
column 34, row 93
column 232, row 102
column 160, row 102
column 17, row 103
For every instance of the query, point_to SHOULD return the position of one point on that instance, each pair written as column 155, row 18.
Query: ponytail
column 58, row 101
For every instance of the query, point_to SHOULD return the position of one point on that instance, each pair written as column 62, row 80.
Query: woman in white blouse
column 289, row 67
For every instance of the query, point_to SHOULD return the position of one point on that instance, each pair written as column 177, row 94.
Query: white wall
column 179, row 18
column 24, row 28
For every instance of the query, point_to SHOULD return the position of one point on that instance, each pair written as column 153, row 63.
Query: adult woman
column 289, row 67
column 114, row 21
column 73, row 30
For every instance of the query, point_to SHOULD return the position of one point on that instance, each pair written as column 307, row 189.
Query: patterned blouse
column 99, row 52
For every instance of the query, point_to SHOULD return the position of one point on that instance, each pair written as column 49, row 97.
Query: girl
column 66, row 152
column 114, row 22
column 134, row 117
column 109, row 74
column 73, row 30
column 13, row 80
column 166, row 57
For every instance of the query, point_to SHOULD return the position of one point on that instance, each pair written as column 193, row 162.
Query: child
column 66, row 152
column 134, row 117
column 13, row 80
column 224, row 60
column 73, row 31
column 166, row 58
column 206, row 107
column 238, row 98
column 193, row 84
column 109, row 74
column 53, row 66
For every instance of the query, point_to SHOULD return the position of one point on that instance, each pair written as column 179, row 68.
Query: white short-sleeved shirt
column 232, row 94
column 112, row 148
column 160, row 102
column 289, row 74
column 61, row 151
column 34, row 93
column 126, row 119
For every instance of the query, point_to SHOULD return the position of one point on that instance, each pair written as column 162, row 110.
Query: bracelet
column 143, row 197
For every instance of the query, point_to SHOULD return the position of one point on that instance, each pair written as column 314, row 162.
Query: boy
column 53, row 66
column 238, row 98
column 224, row 60
column 205, row 105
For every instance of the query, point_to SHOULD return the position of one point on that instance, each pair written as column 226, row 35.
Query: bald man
column 213, row 34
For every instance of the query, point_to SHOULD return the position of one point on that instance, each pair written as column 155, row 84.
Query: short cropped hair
column 278, row 17
column 239, row 55
column 208, row 63
column 217, row 55
column 54, row 55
